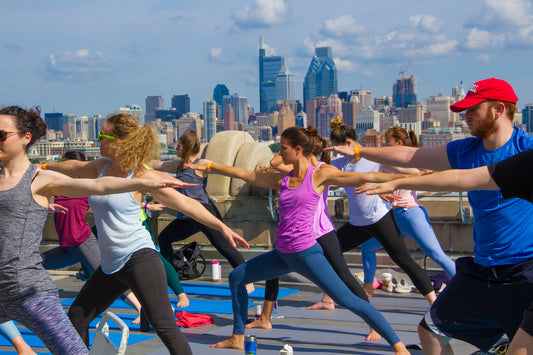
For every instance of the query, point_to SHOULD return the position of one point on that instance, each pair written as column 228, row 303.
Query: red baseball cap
column 494, row 89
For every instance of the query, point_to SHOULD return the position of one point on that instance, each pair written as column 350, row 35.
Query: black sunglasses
column 5, row 135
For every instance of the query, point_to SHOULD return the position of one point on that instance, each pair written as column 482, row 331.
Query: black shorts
column 480, row 304
column 527, row 320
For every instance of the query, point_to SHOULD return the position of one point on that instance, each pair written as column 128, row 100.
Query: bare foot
column 250, row 288
column 329, row 306
column 235, row 342
column 260, row 322
column 400, row 349
column 183, row 300
column 136, row 320
column 369, row 289
column 373, row 336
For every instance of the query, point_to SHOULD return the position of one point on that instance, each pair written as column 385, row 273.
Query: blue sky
column 91, row 57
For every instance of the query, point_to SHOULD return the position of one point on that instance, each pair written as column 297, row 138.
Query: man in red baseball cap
column 475, row 306
column 493, row 89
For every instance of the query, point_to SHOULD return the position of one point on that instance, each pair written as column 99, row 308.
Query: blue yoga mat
column 34, row 341
column 224, row 291
column 195, row 305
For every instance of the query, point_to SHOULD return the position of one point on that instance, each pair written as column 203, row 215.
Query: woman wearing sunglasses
column 27, row 294
column 128, row 255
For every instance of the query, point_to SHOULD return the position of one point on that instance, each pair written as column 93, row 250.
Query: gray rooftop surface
column 308, row 332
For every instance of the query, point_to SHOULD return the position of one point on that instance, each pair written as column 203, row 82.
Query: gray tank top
column 21, row 224
column 197, row 192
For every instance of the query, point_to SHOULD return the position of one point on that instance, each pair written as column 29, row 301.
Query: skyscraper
column 182, row 103
column 210, row 120
column 404, row 92
column 152, row 103
column 327, row 112
column 54, row 121
column 284, row 85
column 321, row 77
column 269, row 67
column 527, row 117
column 229, row 120
column 133, row 110
column 240, row 107
column 218, row 95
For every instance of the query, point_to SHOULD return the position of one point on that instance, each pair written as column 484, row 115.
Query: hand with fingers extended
column 234, row 239
column 54, row 207
column 346, row 150
column 378, row 188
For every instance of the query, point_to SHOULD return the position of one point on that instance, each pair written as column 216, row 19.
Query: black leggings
column 145, row 276
column 180, row 229
column 332, row 251
column 386, row 231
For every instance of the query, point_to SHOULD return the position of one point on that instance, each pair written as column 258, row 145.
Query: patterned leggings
column 43, row 315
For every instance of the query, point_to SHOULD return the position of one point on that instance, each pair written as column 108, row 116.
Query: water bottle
column 250, row 345
column 216, row 271
column 258, row 309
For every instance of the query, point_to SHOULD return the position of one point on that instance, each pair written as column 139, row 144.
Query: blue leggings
column 9, row 331
column 413, row 222
column 44, row 316
column 312, row 264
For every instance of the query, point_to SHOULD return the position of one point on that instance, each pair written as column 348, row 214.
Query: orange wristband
column 208, row 167
column 44, row 166
column 356, row 152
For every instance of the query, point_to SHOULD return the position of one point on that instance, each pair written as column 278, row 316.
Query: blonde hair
column 136, row 145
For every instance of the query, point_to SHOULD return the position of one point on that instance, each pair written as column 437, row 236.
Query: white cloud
column 81, row 65
column 480, row 39
column 508, row 22
column 426, row 23
column 264, row 13
column 439, row 49
column 344, row 65
column 342, row 26
column 216, row 55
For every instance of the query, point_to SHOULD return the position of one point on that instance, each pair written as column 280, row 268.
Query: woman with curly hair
column 129, row 259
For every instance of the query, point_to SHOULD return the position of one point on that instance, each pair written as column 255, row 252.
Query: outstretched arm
column 265, row 180
column 333, row 176
column 167, row 166
column 194, row 209
column 448, row 180
column 76, row 168
column 50, row 183
column 435, row 158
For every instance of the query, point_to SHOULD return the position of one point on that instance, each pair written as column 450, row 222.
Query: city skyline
column 92, row 58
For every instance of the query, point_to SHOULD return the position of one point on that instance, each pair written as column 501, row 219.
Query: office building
column 239, row 106
column 364, row 96
column 229, row 114
column 286, row 118
column 325, row 113
column 284, row 85
column 301, row 119
column 152, row 103
column 527, row 118
column 269, row 67
column 133, row 110
column 210, row 119
column 218, row 95
column 182, row 103
column 54, row 121
column 367, row 119
column 321, row 77
column 404, row 92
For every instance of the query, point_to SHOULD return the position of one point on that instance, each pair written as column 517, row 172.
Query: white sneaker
column 402, row 287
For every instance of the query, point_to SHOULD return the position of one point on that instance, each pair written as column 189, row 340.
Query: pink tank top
column 323, row 223
column 297, row 212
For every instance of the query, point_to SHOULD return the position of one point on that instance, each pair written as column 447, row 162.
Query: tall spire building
column 269, row 67
column 284, row 85
column 321, row 77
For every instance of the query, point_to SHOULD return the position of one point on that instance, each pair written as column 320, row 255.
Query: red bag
column 189, row 320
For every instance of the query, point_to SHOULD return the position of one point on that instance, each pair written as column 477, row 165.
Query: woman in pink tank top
column 297, row 250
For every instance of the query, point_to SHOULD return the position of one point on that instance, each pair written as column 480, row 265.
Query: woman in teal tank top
column 131, row 262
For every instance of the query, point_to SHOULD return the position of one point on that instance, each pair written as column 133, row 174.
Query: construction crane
column 402, row 71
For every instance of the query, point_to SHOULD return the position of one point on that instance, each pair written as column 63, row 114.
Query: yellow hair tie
column 208, row 167
column 356, row 152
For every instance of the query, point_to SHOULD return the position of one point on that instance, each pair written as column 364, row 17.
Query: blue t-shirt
column 503, row 229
